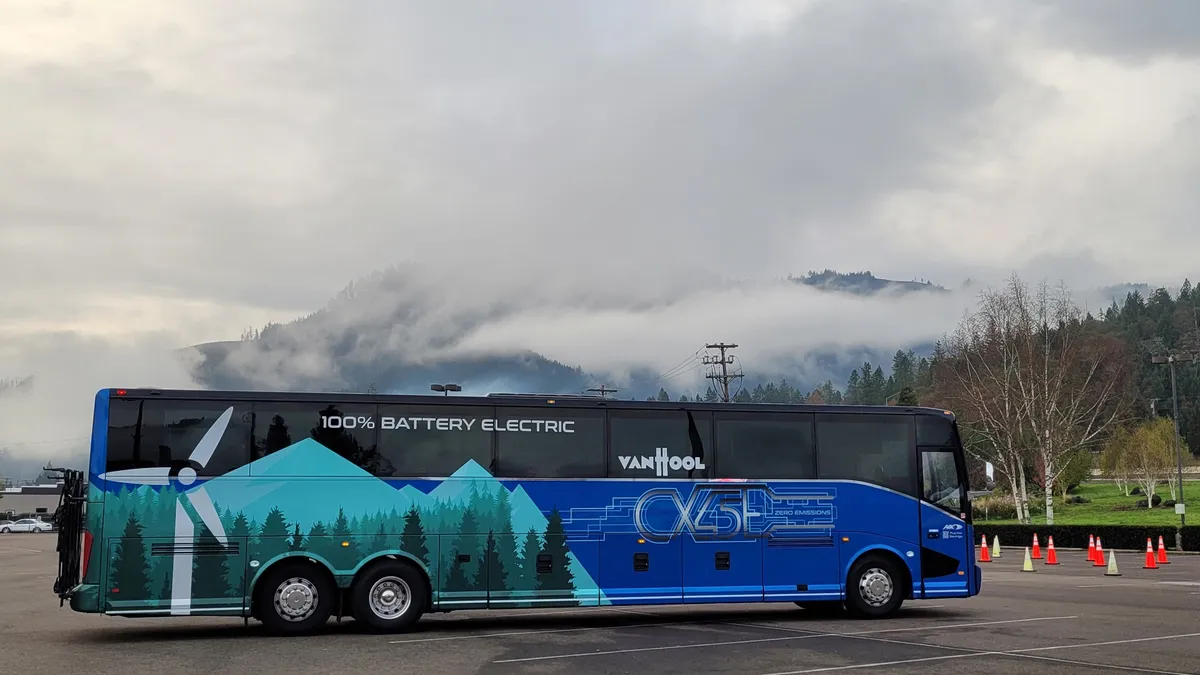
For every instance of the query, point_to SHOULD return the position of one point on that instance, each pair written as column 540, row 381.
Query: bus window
column 940, row 484
column 344, row 429
column 549, row 443
column 935, row 431
column 434, row 441
column 765, row 446
column 659, row 444
column 875, row 449
column 163, row 433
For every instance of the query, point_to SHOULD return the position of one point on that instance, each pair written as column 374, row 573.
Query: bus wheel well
column 891, row 557
column 301, row 562
column 366, row 569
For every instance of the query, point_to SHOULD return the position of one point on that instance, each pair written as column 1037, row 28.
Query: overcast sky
column 174, row 172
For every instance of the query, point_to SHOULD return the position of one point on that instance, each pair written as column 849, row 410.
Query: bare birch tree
column 1073, row 381
column 978, row 376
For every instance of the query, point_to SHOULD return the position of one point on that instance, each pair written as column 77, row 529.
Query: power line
column 724, row 361
column 680, row 367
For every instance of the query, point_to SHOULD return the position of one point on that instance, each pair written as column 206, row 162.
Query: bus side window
column 875, row 449
column 281, row 425
column 660, row 444
column 549, row 443
column 164, row 433
column 435, row 441
column 765, row 446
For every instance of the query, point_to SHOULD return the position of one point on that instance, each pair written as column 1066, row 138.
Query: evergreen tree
column 560, row 580
column 380, row 541
column 344, row 558
column 240, row 532
column 277, row 436
column 130, row 568
column 210, row 571
column 465, row 544
column 506, row 543
column 527, row 577
column 319, row 542
column 273, row 539
column 492, row 573
column 412, row 540
column 296, row 543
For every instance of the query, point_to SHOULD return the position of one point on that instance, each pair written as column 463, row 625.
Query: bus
column 291, row 508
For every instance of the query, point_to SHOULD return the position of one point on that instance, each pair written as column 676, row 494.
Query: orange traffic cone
column 984, row 554
column 1162, row 552
column 1051, row 557
column 1149, row 556
column 1091, row 548
column 1037, row 550
column 1098, row 561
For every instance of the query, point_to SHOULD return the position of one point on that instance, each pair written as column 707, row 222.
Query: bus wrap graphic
column 713, row 511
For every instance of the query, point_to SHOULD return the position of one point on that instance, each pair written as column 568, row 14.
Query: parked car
column 25, row 525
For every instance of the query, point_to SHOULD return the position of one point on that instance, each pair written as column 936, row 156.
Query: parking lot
column 1066, row 619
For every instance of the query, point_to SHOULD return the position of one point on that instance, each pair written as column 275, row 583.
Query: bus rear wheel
column 389, row 596
column 875, row 587
column 295, row 598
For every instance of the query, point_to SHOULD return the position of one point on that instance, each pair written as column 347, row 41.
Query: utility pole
column 603, row 391
column 1171, row 359
column 723, row 361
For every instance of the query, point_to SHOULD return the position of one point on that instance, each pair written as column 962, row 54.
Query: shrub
column 1155, row 499
column 1078, row 499
column 1128, row 537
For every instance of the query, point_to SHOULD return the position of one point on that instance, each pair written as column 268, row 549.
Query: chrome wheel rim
column 875, row 587
column 296, row 599
column 389, row 597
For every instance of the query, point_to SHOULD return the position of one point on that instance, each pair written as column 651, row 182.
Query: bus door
column 946, row 552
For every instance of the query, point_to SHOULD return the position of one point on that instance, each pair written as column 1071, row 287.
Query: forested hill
column 1146, row 325
column 366, row 336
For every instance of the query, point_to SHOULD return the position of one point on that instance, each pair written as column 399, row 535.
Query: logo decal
column 721, row 510
column 185, row 529
column 660, row 462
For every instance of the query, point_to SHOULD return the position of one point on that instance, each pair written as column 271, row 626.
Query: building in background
column 30, row 501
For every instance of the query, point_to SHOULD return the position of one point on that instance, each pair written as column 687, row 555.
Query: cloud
column 595, row 170
column 52, row 417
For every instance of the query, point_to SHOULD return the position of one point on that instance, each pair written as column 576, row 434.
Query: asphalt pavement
column 1070, row 619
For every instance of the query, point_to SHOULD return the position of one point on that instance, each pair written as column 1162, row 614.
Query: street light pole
column 445, row 388
column 1170, row 361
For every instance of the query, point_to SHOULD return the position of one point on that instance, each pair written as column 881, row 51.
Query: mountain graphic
column 309, row 483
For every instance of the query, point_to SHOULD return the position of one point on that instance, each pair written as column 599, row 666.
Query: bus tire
column 875, row 587
column 389, row 596
column 295, row 598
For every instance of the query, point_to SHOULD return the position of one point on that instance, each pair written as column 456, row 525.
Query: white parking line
column 725, row 643
column 666, row 621
column 1018, row 653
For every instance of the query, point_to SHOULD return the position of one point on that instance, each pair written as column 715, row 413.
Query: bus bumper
column 86, row 598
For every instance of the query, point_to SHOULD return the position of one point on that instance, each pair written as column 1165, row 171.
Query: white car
column 26, row 525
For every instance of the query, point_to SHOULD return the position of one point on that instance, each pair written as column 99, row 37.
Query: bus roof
column 533, row 400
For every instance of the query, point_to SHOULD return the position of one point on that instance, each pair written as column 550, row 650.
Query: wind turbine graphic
column 185, row 529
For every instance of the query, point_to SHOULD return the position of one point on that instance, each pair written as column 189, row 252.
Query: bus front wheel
column 875, row 587
column 389, row 596
column 295, row 598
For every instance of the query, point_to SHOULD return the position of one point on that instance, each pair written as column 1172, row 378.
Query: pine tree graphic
column 560, row 580
column 492, row 574
column 273, row 540
column 527, row 580
column 296, row 543
column 131, row 569
column 343, row 557
column 210, row 569
column 412, row 540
